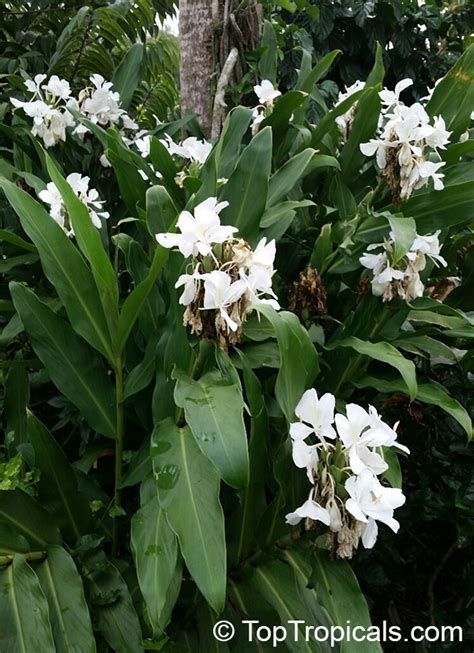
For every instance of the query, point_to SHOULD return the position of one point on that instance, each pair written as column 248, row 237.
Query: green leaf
column 15, row 401
column 268, row 61
column 404, row 230
column 341, row 197
column 319, row 70
column 299, row 359
column 73, row 367
column 246, row 207
column 134, row 302
column 362, row 130
column 285, row 106
column 329, row 119
column 159, row 570
column 339, row 592
column 110, row 603
column 385, row 353
column 141, row 375
column 69, row 615
column 11, row 541
column 64, row 268
column 275, row 215
column 132, row 186
column 377, row 73
column 57, row 486
column 286, row 177
column 428, row 393
column 252, row 499
column 213, row 409
column 90, row 243
column 227, row 149
column 322, row 247
column 129, row 74
column 394, row 473
column 188, row 490
column 453, row 97
column 437, row 209
column 161, row 211
column 24, row 617
column 285, row 591
column 28, row 519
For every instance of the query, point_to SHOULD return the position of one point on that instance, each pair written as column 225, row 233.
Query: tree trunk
column 196, row 59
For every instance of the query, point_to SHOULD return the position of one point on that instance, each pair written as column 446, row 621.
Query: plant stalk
column 119, row 437
column 31, row 557
column 195, row 373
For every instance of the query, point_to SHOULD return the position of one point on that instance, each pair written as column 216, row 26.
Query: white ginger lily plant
column 226, row 277
column 344, row 460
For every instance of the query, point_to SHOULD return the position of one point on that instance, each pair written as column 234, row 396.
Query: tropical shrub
column 207, row 349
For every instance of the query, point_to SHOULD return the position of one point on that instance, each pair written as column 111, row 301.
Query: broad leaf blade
column 69, row 615
column 246, row 206
column 24, row 617
column 386, row 353
column 213, row 409
column 26, row 517
column 64, row 267
column 196, row 517
column 71, row 364
column 57, row 486
column 299, row 359
column 155, row 551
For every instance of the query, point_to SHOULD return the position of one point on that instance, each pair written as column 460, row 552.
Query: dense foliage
column 419, row 40
column 169, row 309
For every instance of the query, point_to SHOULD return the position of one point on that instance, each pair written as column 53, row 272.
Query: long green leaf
column 385, row 353
column 299, row 359
column 73, row 367
column 69, row 615
column 213, row 409
column 129, row 73
column 155, row 551
column 228, row 146
column 27, row 518
column 90, row 243
column 57, row 486
column 64, row 267
column 134, row 303
column 339, row 592
column 110, row 603
column 246, row 206
column 283, row 180
column 429, row 393
column 24, row 615
column 453, row 98
column 188, row 490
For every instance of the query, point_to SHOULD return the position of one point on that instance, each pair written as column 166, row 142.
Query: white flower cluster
column 406, row 141
column 191, row 148
column 48, row 106
column 266, row 93
column 50, row 103
column 343, row 464
column 88, row 196
column 403, row 278
column 227, row 277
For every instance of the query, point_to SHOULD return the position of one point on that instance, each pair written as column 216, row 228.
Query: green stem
column 195, row 373
column 119, row 436
column 32, row 556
